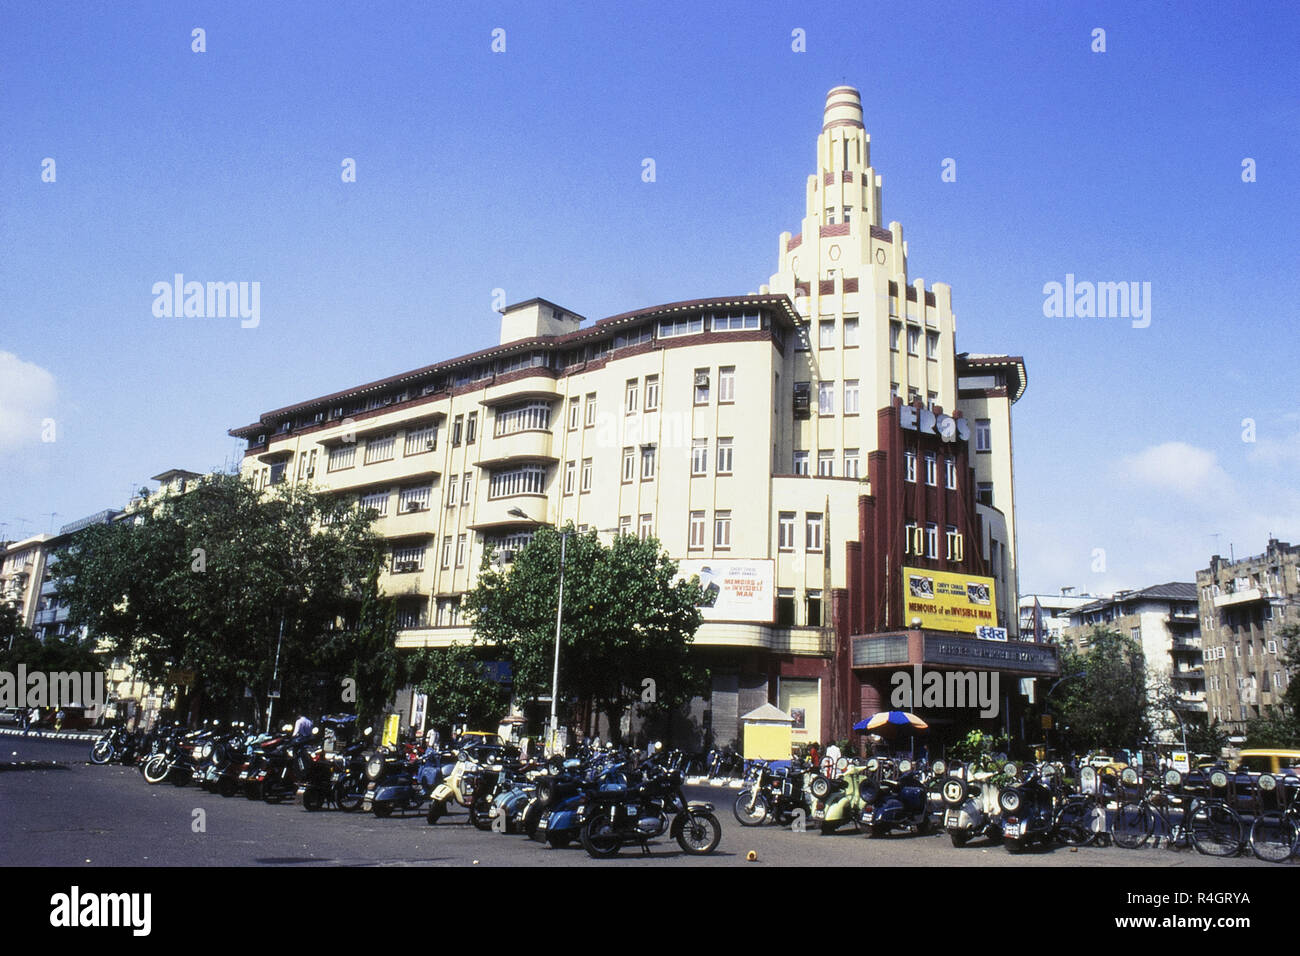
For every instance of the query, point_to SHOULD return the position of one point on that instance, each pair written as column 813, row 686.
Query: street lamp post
column 1049, row 694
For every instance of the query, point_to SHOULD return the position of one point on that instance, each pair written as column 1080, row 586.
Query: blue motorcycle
column 901, row 802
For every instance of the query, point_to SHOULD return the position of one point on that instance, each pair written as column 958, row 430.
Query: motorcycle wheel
column 253, row 789
column 313, row 799
column 923, row 827
column 270, row 794
column 599, row 838
column 879, row 829
column 155, row 769
column 701, row 834
column 347, row 798
column 383, row 809
column 226, row 787
column 751, row 809
column 480, row 814
column 1015, row 846
column 1132, row 826
column 436, row 810
column 532, row 814
column 1074, row 824
column 958, row 837
column 102, row 752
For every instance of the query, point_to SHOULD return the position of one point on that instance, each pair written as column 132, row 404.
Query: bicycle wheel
column 1076, row 822
column 1132, row 826
column 1273, row 837
column 1216, row 830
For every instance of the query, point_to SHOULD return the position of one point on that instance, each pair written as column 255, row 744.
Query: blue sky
column 522, row 170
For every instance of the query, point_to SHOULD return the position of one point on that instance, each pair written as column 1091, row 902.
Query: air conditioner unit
column 414, row 506
column 702, row 378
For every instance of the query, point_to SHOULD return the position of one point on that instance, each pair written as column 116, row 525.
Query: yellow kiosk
column 767, row 733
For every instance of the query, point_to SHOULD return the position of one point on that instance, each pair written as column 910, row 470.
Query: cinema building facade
column 818, row 450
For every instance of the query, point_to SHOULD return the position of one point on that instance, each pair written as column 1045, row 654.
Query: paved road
column 57, row 809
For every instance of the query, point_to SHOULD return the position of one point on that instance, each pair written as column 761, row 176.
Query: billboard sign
column 734, row 590
column 949, row 601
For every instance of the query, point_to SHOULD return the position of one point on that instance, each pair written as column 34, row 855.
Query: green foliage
column 1289, row 645
column 19, row 645
column 210, row 581
column 625, row 621
column 1205, row 738
column 1108, row 706
column 1275, row 727
column 459, row 688
column 977, row 749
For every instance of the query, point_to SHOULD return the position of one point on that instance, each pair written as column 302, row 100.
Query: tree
column 1289, row 639
column 459, row 687
column 627, row 627
column 1108, row 706
column 1275, row 727
column 220, row 580
column 19, row 645
column 1207, row 738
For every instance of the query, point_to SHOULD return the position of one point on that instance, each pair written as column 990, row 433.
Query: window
column 451, row 491
column 851, row 396
column 931, row 399
column 528, row 416
column 826, row 464
column 931, row 469
column 471, row 427
column 743, row 320
column 848, row 210
column 984, row 492
column 785, row 607
column 727, row 385
column 651, row 393
column 785, row 531
column 376, row 501
column 697, row 529
column 850, row 333
column 414, row 499
column 814, row 608
column 570, row 475
column 420, row 440
column 527, row 480
column 586, row 475
column 826, row 335
column 825, row 398
column 955, row 544
column 380, row 448
column 912, row 538
column 624, row 524
column 913, row 339
column 830, row 215
column 457, row 426
column 408, row 559
column 700, row 456
column 672, row 327
column 950, row 473
column 801, row 463
column 851, row 463
column 591, row 410
column 629, row 465
column 630, row 397
column 909, row 466
column 813, row 531
column 446, row 551
column 277, row 472
column 460, row 550
column 701, row 386
column 722, row 529
column 932, row 540
column 932, row 345
column 465, row 495
column 724, row 456
column 800, row 340
column 983, row 434
column 648, row 463
column 895, row 330
column 646, row 528
column 575, row 412
column 893, row 392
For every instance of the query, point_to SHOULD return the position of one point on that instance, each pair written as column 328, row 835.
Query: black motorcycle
column 115, row 744
column 639, row 813
column 338, row 778
column 770, row 794
column 1028, row 809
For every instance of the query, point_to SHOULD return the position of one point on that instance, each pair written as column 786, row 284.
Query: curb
column 47, row 735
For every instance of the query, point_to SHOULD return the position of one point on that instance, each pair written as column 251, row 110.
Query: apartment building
column 801, row 447
column 1044, row 617
column 1243, row 604
column 1163, row 619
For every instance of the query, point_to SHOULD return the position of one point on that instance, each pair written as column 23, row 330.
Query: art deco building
column 766, row 440
column 1244, row 603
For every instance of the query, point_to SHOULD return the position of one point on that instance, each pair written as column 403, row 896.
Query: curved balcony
column 407, row 524
column 528, row 445
column 494, row 514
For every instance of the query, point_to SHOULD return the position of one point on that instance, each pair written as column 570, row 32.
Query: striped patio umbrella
column 890, row 722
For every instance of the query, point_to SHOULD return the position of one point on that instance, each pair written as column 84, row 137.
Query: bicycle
column 1208, row 823
column 1275, row 834
column 1081, row 817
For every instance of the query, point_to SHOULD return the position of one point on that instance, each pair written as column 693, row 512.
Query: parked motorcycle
column 848, row 796
column 902, row 800
column 639, row 813
column 770, row 794
column 971, row 808
column 115, row 744
column 400, row 780
column 1028, row 809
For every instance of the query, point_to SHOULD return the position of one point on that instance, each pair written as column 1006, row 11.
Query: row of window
column 931, row 469
column 570, row 473
column 914, row 340
column 1250, row 682
column 1221, row 651
column 826, row 397
column 924, row 542
column 826, row 463
column 812, row 530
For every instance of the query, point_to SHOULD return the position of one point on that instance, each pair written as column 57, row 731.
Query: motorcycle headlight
column 1129, row 776
column 1218, row 779
column 375, row 767
column 1267, row 782
column 207, row 751
column 1009, row 800
column 1173, row 778
column 940, row 768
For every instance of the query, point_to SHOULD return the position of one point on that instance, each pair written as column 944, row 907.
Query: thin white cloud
column 1178, row 467
column 27, row 394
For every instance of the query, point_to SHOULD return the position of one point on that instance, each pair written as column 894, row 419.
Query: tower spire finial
column 843, row 108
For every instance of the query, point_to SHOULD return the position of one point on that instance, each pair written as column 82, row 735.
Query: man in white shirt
column 303, row 727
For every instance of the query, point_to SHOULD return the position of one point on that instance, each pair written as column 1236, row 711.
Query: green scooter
column 847, row 799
